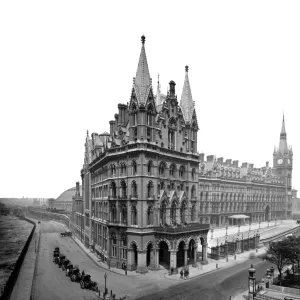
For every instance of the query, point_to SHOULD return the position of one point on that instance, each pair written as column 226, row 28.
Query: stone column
column 173, row 261
column 152, row 265
column 156, row 258
column 204, row 254
column 185, row 256
column 195, row 256
column 142, row 261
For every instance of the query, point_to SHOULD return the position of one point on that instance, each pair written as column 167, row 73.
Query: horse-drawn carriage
column 65, row 264
column 66, row 233
column 75, row 275
column 69, row 269
column 87, row 283
column 55, row 257
column 61, row 259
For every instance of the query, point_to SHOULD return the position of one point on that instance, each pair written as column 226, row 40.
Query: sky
column 65, row 66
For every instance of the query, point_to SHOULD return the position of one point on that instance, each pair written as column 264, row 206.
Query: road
column 213, row 286
column 52, row 284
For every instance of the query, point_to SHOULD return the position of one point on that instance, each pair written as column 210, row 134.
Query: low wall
column 15, row 273
column 284, row 289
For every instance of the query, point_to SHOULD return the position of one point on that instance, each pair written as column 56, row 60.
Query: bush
column 251, row 255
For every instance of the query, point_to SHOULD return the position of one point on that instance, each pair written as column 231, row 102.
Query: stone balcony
column 181, row 229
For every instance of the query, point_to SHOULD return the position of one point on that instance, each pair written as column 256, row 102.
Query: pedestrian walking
column 185, row 273
column 181, row 274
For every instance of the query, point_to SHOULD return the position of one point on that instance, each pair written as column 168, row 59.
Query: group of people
column 184, row 273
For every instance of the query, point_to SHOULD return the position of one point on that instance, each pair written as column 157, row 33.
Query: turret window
column 133, row 215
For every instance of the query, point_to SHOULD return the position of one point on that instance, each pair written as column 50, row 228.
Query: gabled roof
column 142, row 81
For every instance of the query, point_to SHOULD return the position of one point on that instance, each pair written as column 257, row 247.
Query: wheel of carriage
column 82, row 284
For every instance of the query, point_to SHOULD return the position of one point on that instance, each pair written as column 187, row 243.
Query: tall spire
column 142, row 82
column 187, row 104
column 158, row 98
column 283, row 147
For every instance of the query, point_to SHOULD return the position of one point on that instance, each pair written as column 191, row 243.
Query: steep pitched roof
column 187, row 104
column 142, row 81
column 283, row 147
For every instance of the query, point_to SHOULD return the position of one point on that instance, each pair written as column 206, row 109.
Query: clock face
column 280, row 161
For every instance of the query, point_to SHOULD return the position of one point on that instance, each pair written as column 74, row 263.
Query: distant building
column 64, row 201
column 295, row 203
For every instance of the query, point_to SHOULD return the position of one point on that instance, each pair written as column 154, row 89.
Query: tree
column 277, row 254
column 293, row 252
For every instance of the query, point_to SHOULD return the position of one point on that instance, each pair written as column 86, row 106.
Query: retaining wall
column 15, row 273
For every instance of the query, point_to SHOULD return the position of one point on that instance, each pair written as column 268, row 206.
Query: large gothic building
column 148, row 198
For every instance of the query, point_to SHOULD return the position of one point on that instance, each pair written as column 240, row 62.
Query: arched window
column 114, row 245
column 113, row 188
column 193, row 213
column 182, row 172
column 134, row 167
column 123, row 169
column 150, row 189
column 193, row 192
column 150, row 217
column 193, row 174
column 113, row 170
column 183, row 212
column 173, row 213
column 124, row 213
column 150, row 167
column 134, row 115
column 172, row 170
column 123, row 190
column 134, row 189
column 113, row 213
column 149, row 115
column 162, row 169
column 133, row 215
column 163, row 213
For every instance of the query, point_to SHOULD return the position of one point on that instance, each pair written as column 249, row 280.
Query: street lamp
column 105, row 276
column 251, row 283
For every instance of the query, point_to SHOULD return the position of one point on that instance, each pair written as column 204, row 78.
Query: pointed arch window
column 172, row 170
column 162, row 169
column 113, row 213
column 113, row 170
column 183, row 210
column 173, row 213
column 123, row 169
column 133, row 215
column 134, row 189
column 150, row 215
column 124, row 213
column 193, row 192
column 114, row 245
column 150, row 189
column 193, row 213
column 182, row 172
column 193, row 174
column 113, row 188
column 123, row 190
column 134, row 167
column 150, row 167
column 163, row 213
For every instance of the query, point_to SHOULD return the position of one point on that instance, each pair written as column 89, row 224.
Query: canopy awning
column 239, row 217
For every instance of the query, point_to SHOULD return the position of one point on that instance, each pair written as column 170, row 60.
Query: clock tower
column 283, row 162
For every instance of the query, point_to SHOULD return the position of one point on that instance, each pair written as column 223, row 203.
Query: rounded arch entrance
column 180, row 254
column 164, row 254
column 134, row 255
column 149, row 257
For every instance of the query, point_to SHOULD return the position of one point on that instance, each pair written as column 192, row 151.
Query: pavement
column 134, row 284
column 23, row 286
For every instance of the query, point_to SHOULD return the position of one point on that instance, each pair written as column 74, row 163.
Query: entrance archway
column 191, row 252
column 149, row 253
column 267, row 213
column 135, row 254
column 164, row 255
column 180, row 254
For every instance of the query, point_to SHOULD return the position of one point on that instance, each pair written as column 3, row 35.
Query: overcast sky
column 65, row 66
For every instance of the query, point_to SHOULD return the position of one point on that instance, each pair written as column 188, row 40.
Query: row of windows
column 100, row 191
column 162, row 170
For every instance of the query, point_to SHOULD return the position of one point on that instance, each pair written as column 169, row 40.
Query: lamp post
column 251, row 283
column 105, row 276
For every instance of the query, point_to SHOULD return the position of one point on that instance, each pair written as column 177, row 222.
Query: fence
column 15, row 273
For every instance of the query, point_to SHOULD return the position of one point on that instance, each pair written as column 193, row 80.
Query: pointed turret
column 158, row 96
column 142, row 81
column 283, row 147
column 187, row 104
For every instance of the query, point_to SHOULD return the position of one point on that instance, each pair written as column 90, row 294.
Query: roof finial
column 186, row 68
column 143, row 39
